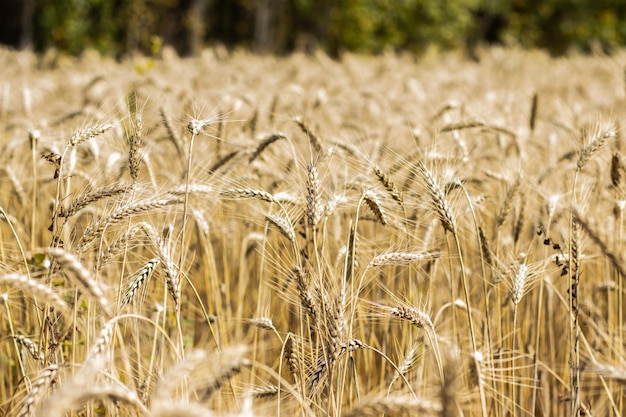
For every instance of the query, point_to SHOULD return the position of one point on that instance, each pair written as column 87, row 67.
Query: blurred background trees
column 118, row 27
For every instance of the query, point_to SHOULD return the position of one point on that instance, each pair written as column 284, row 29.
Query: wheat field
column 239, row 235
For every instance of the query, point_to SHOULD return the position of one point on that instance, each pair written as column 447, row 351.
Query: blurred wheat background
column 233, row 234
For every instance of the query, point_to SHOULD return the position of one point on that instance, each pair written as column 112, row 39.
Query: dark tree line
column 118, row 27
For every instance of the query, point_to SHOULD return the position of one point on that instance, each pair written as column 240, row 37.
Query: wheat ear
column 40, row 385
column 82, row 276
column 124, row 212
column 36, row 289
column 138, row 278
column 394, row 405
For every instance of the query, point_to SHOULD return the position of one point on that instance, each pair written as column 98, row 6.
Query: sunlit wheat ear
column 135, row 142
column 249, row 193
column 103, row 341
column 466, row 124
column 139, row 207
column 262, row 323
column 394, row 405
column 416, row 317
column 284, row 226
column 318, row 377
column 94, row 196
column 267, row 391
column 614, row 257
column 91, row 132
column 400, row 258
column 42, row 292
column 32, row 347
column 389, row 185
column 40, row 386
column 121, row 242
column 314, row 205
column 137, row 280
column 172, row 135
column 308, row 300
column 172, row 274
column 508, row 201
column 608, row 371
column 597, row 142
column 314, row 140
column 76, row 395
column 17, row 185
column 407, row 363
column 484, row 247
column 265, row 143
column 373, row 202
column 519, row 282
column 437, row 198
column 80, row 275
column 532, row 120
column 336, row 325
column 617, row 166
column 207, row 372
column 222, row 162
column 293, row 349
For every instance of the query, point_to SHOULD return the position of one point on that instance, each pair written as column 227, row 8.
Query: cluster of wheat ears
column 243, row 235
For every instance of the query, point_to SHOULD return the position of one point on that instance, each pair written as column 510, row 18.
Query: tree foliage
column 370, row 26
